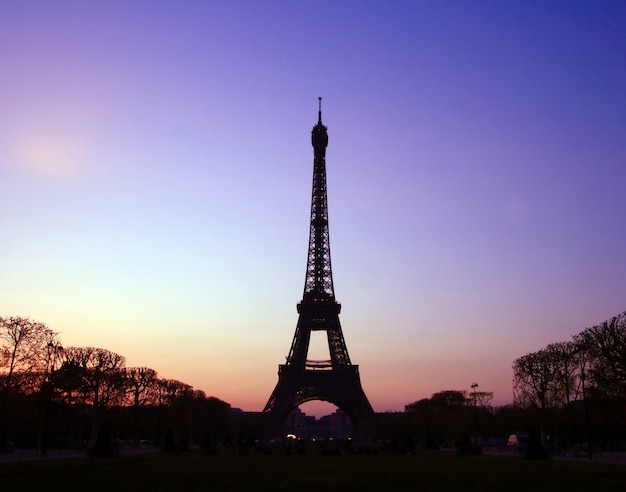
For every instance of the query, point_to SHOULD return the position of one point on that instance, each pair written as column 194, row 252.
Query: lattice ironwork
column 319, row 275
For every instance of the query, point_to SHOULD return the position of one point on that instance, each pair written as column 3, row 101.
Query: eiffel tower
column 336, row 380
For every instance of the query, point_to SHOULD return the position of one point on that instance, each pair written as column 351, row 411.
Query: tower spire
column 319, row 113
column 319, row 276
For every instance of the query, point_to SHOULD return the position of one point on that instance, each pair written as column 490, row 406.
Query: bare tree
column 23, row 362
column 534, row 377
column 101, row 372
column 548, row 380
column 167, row 393
column 23, row 345
column 140, row 381
column 605, row 348
column 483, row 398
column 176, row 390
column 102, row 384
column 565, row 360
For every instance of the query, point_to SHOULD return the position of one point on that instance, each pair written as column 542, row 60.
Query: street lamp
column 586, row 411
column 474, row 386
column 53, row 350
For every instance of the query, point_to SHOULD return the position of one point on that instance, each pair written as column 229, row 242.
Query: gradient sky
column 156, row 166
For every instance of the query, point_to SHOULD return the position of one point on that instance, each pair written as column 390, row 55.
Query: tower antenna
column 320, row 110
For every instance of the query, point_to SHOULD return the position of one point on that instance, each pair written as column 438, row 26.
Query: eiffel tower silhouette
column 336, row 380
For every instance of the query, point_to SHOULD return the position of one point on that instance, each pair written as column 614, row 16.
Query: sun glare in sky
column 45, row 155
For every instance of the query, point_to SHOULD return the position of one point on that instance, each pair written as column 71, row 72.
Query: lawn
column 427, row 471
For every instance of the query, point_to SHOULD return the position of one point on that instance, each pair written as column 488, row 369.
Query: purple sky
column 156, row 166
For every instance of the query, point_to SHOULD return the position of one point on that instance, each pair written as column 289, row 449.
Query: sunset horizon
column 156, row 164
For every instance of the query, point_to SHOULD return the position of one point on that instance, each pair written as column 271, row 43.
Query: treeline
column 452, row 418
column 582, row 379
column 570, row 395
column 51, row 395
column 459, row 419
column 592, row 364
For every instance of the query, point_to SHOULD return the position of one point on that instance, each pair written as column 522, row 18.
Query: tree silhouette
column 23, row 363
column 605, row 345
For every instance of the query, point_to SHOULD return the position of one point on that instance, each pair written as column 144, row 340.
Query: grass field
column 194, row 471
